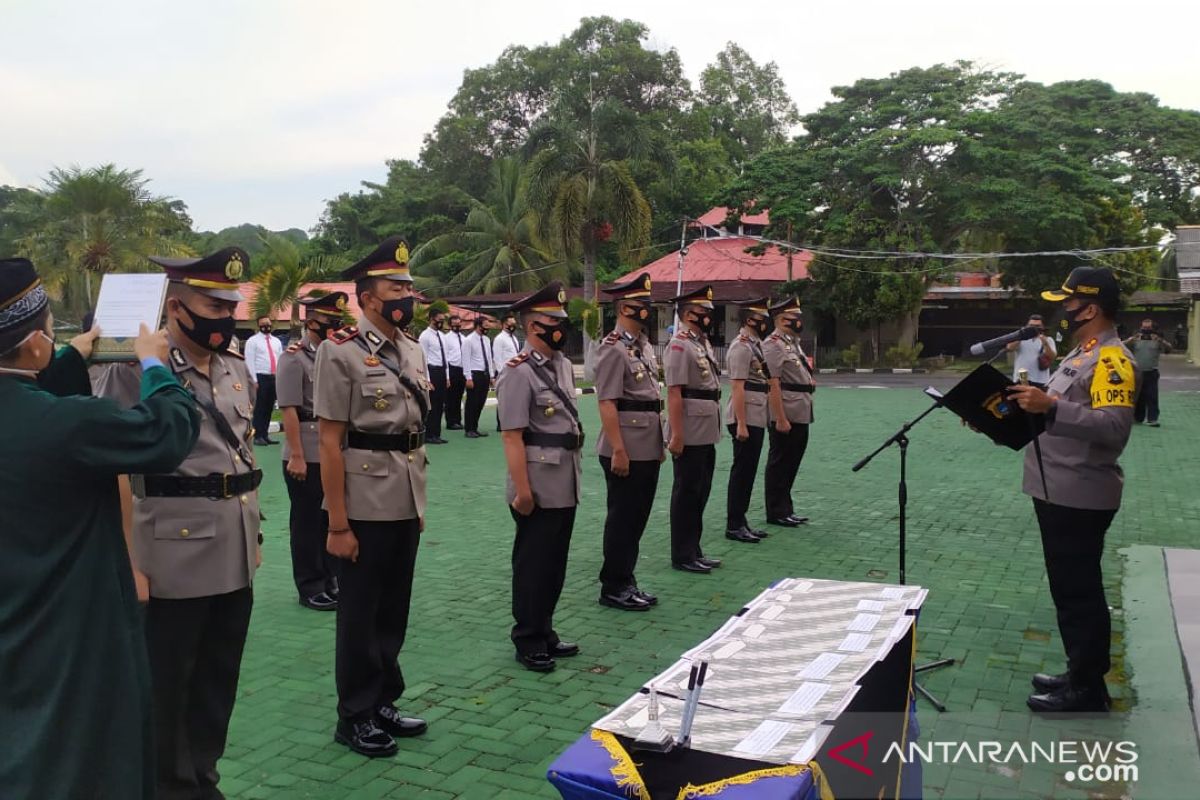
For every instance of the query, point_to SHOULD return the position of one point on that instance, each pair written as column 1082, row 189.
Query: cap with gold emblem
column 22, row 296
column 389, row 260
column 785, row 305
column 1095, row 284
column 333, row 303
column 757, row 305
column 216, row 275
column 700, row 297
column 637, row 288
column 550, row 300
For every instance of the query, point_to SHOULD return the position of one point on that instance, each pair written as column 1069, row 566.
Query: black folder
column 982, row 400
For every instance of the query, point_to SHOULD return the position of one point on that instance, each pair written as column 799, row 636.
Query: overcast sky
column 258, row 111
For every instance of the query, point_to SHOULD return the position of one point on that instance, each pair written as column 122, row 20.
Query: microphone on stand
column 1028, row 332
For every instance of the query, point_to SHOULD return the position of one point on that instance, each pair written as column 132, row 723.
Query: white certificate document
column 126, row 302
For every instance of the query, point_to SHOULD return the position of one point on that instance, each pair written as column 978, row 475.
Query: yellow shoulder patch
column 1113, row 381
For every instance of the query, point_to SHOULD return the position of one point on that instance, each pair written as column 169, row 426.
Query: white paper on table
column 729, row 649
column 641, row 719
column 754, row 631
column 821, row 666
column 802, row 586
column 771, row 612
column 783, row 598
column 844, row 703
column 870, row 605
column 892, row 593
column 919, row 600
column 855, row 643
column 900, row 629
column 128, row 301
column 762, row 739
column 864, row 622
column 808, row 751
column 804, row 698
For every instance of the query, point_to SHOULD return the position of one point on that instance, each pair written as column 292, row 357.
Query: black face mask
column 1069, row 321
column 703, row 321
column 322, row 329
column 510, row 327
column 211, row 334
column 398, row 312
column 759, row 326
column 795, row 325
column 265, row 329
column 640, row 315
column 555, row 336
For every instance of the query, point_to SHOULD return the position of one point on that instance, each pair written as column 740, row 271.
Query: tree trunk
column 908, row 328
column 589, row 294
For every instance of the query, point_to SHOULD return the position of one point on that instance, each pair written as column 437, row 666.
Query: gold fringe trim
column 625, row 773
column 690, row 792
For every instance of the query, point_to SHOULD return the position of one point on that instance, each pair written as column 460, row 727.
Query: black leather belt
column 756, row 387
column 567, row 441
column 701, row 394
column 215, row 486
column 306, row 416
column 639, row 405
column 796, row 387
column 404, row 442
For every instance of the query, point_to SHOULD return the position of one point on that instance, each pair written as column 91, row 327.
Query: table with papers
column 804, row 668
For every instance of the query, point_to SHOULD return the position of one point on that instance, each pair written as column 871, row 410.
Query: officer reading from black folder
column 1088, row 406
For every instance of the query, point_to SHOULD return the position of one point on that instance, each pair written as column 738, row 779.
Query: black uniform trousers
column 1146, row 409
column 437, row 401
column 477, row 398
column 1072, row 543
column 539, row 564
column 689, row 495
column 372, row 616
column 629, row 502
column 195, row 648
column 784, row 455
column 741, row 476
column 264, row 405
column 313, row 569
column 454, row 396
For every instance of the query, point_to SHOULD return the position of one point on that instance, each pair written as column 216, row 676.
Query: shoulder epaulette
column 518, row 359
column 686, row 333
column 612, row 338
column 774, row 337
column 410, row 336
column 294, row 347
column 743, row 337
column 343, row 335
column 235, row 353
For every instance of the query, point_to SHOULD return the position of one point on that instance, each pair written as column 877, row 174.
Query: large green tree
column 496, row 251
column 285, row 272
column 745, row 105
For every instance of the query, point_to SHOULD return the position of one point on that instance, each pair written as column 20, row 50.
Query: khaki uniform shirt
column 745, row 361
column 627, row 370
column 197, row 546
column 352, row 385
column 294, row 389
column 689, row 362
column 526, row 402
column 1087, row 431
column 786, row 361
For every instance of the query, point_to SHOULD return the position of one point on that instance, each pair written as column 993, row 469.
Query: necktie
column 270, row 352
column 483, row 350
column 441, row 347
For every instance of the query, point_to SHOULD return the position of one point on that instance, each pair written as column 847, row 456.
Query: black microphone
column 1028, row 332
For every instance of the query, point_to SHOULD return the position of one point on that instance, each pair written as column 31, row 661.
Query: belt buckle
column 226, row 486
column 414, row 439
column 137, row 486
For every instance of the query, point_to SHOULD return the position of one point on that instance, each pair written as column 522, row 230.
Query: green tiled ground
column 495, row 728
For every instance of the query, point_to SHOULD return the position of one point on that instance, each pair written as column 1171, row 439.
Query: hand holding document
column 126, row 303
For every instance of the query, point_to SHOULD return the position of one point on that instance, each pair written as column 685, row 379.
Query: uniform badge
column 1087, row 348
column 373, row 338
column 637, row 376
column 381, row 404
column 371, row 361
column 401, row 254
column 549, row 412
column 177, row 357
column 234, row 267
column 237, row 387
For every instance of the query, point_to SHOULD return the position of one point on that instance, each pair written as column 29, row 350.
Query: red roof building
column 245, row 309
column 724, row 263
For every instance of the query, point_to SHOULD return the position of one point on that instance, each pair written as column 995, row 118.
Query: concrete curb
column 873, row 371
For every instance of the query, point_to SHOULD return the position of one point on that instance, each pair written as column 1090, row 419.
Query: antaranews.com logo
column 1086, row 761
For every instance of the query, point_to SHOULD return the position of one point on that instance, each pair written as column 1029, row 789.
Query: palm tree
column 499, row 240
column 285, row 274
column 96, row 221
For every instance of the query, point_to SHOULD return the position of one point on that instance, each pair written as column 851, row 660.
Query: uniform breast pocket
column 368, row 463
column 184, row 530
column 378, row 396
column 543, row 455
column 756, row 398
column 639, row 419
column 702, row 408
column 548, row 404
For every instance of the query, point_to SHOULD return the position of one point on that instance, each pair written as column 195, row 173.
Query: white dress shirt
column 431, row 346
column 477, row 353
column 453, row 341
column 504, row 347
column 258, row 353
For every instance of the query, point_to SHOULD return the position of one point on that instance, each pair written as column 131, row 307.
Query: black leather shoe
column 455, row 427
column 742, row 534
column 482, row 434
column 711, row 563
column 1045, row 682
column 390, row 720
column 692, row 566
column 564, row 650
column 786, row 522
column 321, row 601
column 538, row 662
column 434, row 440
column 626, row 600
column 473, row 434
column 262, row 442
column 646, row 597
column 798, row 519
column 1070, row 700
column 365, row 738
column 759, row 533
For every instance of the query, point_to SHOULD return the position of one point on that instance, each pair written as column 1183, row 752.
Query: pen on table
column 694, row 699
column 687, row 702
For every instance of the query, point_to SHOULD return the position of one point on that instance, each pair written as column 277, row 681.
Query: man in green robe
column 75, row 717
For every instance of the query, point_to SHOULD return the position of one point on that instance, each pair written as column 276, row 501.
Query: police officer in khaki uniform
column 313, row 568
column 631, row 441
column 1089, row 407
column 196, row 534
column 791, row 408
column 694, row 426
column 372, row 398
column 542, row 439
column 747, row 415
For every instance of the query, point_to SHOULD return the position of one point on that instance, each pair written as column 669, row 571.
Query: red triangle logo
column 858, row 741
